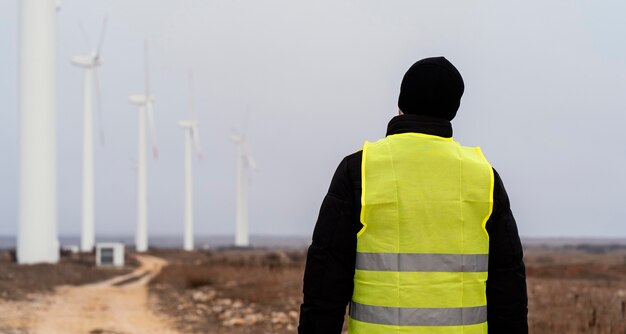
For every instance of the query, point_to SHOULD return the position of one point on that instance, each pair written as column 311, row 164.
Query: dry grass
column 208, row 292
column 262, row 277
column 21, row 281
column 577, row 290
column 571, row 290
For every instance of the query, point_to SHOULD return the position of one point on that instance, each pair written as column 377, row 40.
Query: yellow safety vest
column 422, row 255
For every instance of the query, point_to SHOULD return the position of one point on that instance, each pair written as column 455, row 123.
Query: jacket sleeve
column 329, row 271
column 507, row 302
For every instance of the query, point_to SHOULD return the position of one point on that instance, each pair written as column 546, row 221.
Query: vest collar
column 421, row 124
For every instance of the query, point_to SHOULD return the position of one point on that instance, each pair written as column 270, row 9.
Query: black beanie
column 431, row 87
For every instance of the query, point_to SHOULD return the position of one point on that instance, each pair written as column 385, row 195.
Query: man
column 412, row 227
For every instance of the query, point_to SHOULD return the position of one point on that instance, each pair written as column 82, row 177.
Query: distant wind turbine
column 245, row 162
column 144, row 104
column 192, row 140
column 90, row 64
column 37, row 212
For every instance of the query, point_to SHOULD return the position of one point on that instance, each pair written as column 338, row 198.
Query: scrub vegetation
column 577, row 289
column 572, row 289
column 21, row 281
column 231, row 291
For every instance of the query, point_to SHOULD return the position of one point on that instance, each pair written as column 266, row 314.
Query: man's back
column 330, row 272
column 422, row 254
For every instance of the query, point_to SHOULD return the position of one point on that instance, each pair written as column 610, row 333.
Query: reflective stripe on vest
column 422, row 255
column 422, row 262
column 404, row 316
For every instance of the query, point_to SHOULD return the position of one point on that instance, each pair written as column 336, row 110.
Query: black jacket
column 329, row 273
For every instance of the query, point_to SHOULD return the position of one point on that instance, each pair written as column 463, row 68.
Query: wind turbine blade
column 251, row 162
column 248, row 159
column 84, row 34
column 146, row 66
column 99, row 104
column 150, row 112
column 196, row 142
column 192, row 107
column 102, row 32
column 245, row 121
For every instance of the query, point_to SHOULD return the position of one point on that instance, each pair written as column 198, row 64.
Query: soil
column 577, row 289
column 236, row 291
column 570, row 289
column 23, row 281
column 118, row 305
column 232, row 291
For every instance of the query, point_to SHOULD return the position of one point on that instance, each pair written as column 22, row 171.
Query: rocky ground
column 571, row 290
column 231, row 291
column 579, row 289
column 21, row 282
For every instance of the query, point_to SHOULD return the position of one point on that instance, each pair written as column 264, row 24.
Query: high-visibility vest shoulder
column 423, row 251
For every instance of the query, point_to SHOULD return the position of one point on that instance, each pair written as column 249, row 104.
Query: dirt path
column 116, row 306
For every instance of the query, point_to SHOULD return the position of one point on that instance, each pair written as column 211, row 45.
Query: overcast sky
column 544, row 98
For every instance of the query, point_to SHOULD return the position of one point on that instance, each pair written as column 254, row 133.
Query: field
column 236, row 291
column 572, row 289
column 579, row 289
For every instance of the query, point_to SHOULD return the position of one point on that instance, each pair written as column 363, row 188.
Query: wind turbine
column 245, row 162
column 191, row 139
column 90, row 64
column 37, row 233
column 144, row 105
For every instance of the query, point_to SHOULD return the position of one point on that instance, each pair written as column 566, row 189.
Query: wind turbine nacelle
column 138, row 99
column 187, row 124
column 236, row 138
column 86, row 61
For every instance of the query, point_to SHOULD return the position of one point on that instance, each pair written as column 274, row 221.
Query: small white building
column 73, row 249
column 110, row 254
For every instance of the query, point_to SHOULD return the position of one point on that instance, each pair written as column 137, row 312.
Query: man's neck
column 421, row 124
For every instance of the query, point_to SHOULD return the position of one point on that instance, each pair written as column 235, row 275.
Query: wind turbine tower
column 37, row 234
column 89, row 64
column 192, row 141
column 144, row 104
column 244, row 163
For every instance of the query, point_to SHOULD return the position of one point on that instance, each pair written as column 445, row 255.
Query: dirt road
column 116, row 306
